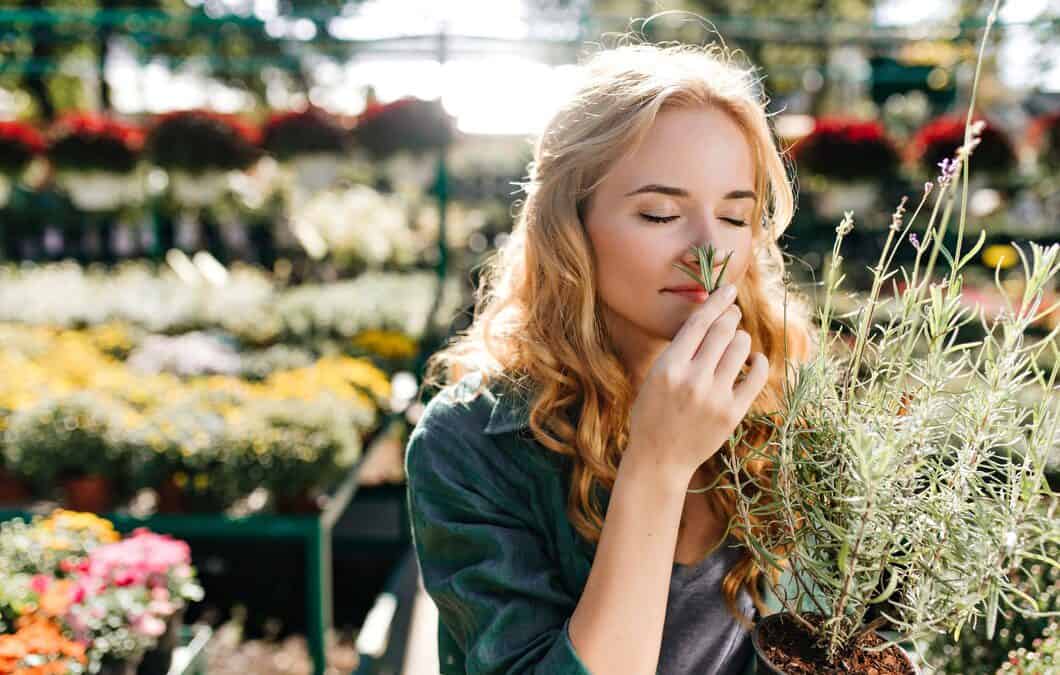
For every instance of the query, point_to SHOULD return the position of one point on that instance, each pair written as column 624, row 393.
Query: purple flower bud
column 914, row 240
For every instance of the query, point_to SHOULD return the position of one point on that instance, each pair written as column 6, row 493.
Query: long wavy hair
column 537, row 320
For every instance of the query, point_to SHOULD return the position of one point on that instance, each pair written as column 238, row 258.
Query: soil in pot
column 90, row 493
column 784, row 646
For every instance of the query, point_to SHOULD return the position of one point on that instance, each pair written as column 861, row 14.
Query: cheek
column 624, row 254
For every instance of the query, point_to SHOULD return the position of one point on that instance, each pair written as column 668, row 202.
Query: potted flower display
column 296, row 449
column 149, row 572
column 95, row 160
column 936, row 143
column 19, row 144
column 399, row 136
column 96, row 604
column 905, row 480
column 200, row 150
column 848, row 158
column 311, row 141
column 70, row 441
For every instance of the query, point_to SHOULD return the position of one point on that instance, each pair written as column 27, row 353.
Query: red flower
column 86, row 140
column 1044, row 136
column 845, row 148
column 19, row 143
column 940, row 139
column 92, row 125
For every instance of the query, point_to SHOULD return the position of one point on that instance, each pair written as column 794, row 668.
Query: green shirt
column 495, row 548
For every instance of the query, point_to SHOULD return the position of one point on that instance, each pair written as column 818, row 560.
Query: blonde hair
column 537, row 317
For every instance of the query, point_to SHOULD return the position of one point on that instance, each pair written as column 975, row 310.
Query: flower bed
column 75, row 597
column 71, row 413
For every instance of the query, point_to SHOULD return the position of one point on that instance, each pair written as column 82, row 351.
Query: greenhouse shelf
column 313, row 531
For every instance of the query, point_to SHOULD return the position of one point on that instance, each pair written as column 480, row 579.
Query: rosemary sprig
column 706, row 265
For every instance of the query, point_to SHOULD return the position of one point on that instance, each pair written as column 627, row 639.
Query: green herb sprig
column 706, row 266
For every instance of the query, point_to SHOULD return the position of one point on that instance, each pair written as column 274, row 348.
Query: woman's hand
column 690, row 403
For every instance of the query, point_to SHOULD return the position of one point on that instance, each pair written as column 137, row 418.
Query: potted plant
column 906, row 482
column 297, row 449
column 95, row 160
column 20, row 143
column 848, row 159
column 157, row 569
column 311, row 141
column 71, row 441
column 936, row 143
column 201, row 150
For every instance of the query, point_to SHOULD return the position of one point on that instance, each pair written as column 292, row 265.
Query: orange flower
column 38, row 636
column 57, row 598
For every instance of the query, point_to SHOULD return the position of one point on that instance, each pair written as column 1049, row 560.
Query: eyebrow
column 680, row 192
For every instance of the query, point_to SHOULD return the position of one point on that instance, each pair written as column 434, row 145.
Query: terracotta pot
column 300, row 503
column 92, row 493
column 764, row 665
column 171, row 497
column 12, row 490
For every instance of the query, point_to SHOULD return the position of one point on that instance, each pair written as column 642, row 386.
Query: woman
column 564, row 485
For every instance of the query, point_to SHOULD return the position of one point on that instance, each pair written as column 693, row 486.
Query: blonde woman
column 564, row 484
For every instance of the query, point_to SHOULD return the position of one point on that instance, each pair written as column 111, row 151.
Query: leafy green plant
column 907, row 480
column 73, row 435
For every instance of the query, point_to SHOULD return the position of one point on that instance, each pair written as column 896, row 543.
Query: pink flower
column 144, row 558
column 148, row 624
column 39, row 583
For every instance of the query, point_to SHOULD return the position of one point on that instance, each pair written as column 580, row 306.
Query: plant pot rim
column 778, row 616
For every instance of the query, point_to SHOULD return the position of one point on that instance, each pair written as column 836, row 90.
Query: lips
column 691, row 288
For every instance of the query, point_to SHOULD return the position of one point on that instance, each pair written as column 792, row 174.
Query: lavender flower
column 914, row 240
column 949, row 170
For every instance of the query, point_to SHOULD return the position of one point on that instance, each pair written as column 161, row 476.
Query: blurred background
column 232, row 231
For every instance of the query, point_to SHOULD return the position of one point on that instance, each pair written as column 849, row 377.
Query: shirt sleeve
column 483, row 562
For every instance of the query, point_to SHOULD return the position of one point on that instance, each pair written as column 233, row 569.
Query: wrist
column 650, row 468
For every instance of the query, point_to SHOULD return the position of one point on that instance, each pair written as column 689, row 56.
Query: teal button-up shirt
column 496, row 550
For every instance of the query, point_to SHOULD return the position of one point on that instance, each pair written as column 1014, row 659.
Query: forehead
column 700, row 149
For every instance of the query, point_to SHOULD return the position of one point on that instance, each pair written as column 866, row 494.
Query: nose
column 707, row 241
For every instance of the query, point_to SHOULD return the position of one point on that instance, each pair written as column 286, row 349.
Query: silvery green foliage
column 908, row 471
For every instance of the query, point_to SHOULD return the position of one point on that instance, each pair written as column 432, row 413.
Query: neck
column 636, row 349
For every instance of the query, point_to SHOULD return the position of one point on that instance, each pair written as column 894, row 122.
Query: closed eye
column 734, row 221
column 658, row 219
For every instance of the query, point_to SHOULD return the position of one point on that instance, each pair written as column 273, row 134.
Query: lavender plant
column 907, row 475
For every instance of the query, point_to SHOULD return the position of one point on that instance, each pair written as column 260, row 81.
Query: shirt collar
column 511, row 408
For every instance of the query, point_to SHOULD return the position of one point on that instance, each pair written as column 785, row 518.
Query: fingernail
column 730, row 291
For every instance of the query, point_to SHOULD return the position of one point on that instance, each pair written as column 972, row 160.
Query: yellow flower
column 1000, row 254
column 76, row 521
column 386, row 343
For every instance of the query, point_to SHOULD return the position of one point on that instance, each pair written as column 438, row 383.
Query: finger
column 733, row 359
column 690, row 335
column 745, row 392
column 718, row 338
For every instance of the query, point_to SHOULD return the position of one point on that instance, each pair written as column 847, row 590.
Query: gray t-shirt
column 701, row 636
